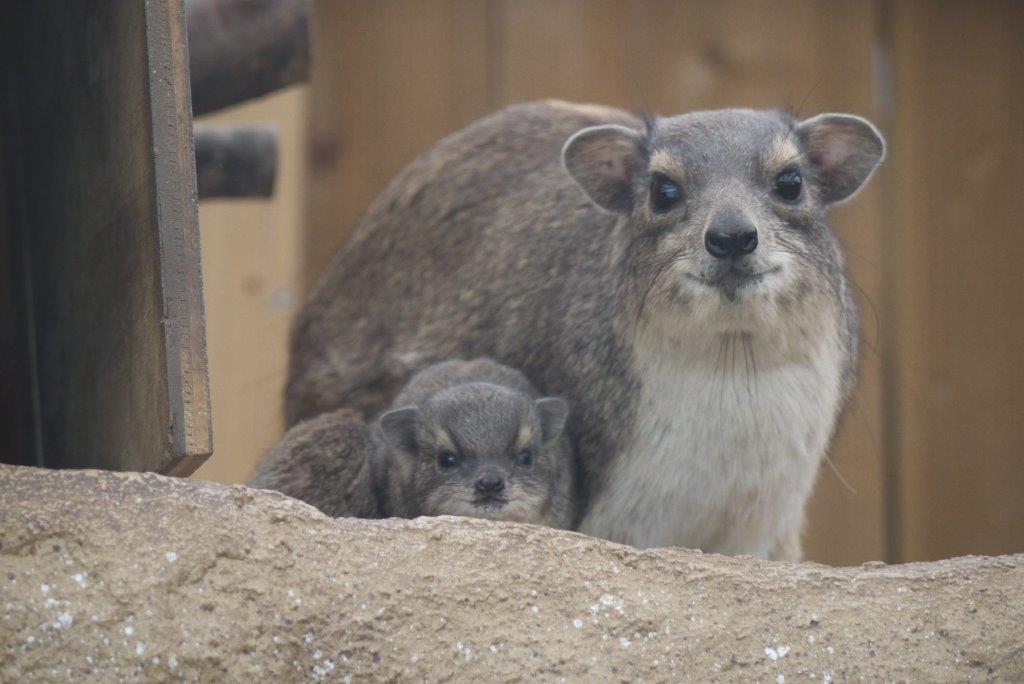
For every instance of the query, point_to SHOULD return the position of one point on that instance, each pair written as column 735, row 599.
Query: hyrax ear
column 844, row 150
column 399, row 429
column 553, row 412
column 603, row 160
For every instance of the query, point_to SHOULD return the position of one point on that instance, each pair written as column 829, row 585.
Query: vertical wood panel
column 98, row 146
column 17, row 398
column 958, row 161
column 573, row 50
column 183, row 319
column 389, row 79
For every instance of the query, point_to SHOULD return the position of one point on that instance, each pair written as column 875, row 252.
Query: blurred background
column 929, row 461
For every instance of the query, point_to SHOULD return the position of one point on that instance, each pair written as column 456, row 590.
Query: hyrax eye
column 665, row 193
column 447, row 459
column 524, row 457
column 789, row 185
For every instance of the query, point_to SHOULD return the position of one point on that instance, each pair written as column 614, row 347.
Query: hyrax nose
column 730, row 236
column 490, row 484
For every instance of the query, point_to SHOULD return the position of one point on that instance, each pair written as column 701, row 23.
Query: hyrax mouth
column 490, row 503
column 729, row 279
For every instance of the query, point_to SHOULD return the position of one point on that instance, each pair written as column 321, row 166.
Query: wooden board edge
column 177, row 219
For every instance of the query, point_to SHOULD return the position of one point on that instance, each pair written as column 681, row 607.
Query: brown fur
column 324, row 461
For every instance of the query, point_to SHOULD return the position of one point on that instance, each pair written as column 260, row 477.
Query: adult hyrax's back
column 472, row 235
column 675, row 282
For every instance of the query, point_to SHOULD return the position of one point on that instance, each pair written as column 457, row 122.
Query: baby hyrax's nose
column 490, row 484
column 729, row 236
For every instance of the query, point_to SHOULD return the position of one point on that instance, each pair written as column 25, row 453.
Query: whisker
column 658, row 270
column 733, row 337
column 799, row 110
column 714, row 375
column 820, row 265
column 841, row 479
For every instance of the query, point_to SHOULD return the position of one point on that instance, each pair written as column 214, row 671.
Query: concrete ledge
column 111, row 576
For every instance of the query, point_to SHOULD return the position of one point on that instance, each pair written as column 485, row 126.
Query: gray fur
column 486, row 246
column 485, row 415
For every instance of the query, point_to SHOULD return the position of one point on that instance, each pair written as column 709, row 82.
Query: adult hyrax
column 474, row 438
column 674, row 280
column 326, row 461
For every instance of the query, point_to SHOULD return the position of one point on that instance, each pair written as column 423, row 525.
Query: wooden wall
column 250, row 271
column 930, row 458
column 104, row 348
column 955, row 276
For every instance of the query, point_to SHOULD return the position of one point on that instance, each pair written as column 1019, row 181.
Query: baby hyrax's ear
column 844, row 150
column 399, row 429
column 603, row 160
column 553, row 412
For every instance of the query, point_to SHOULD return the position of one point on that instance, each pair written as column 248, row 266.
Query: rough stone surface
column 121, row 577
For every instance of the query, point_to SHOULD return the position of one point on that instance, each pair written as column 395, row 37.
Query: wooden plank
column 17, row 395
column 242, row 49
column 958, row 157
column 177, row 223
column 674, row 57
column 100, row 145
column 389, row 79
column 575, row 50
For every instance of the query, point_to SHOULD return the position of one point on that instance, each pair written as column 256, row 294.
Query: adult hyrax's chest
column 723, row 451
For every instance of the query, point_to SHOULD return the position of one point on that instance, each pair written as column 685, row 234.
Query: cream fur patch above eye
column 444, row 441
column 782, row 153
column 524, row 437
column 665, row 162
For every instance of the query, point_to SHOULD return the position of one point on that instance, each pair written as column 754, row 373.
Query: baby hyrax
column 474, row 438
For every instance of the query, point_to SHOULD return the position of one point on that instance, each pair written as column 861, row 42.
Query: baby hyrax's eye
column 665, row 193
column 524, row 457
column 789, row 185
column 447, row 459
